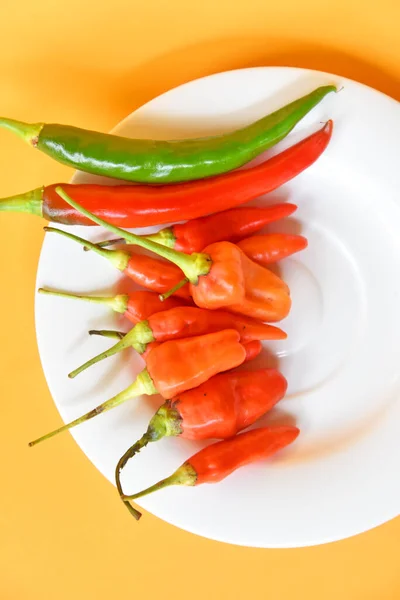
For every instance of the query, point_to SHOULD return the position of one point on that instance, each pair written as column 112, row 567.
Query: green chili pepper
column 153, row 161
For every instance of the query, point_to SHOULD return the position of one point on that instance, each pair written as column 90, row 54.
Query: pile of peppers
column 208, row 296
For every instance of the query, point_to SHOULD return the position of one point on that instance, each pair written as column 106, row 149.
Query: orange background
column 63, row 532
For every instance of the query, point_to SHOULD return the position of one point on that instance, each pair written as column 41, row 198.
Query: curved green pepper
column 153, row 161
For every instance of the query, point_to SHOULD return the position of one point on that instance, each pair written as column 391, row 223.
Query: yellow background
column 63, row 534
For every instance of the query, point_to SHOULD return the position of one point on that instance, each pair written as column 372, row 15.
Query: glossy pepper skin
column 143, row 206
column 136, row 306
column 272, row 247
column 215, row 462
column 240, row 285
column 153, row 273
column 266, row 296
column 185, row 322
column 178, row 365
column 154, row 161
column 228, row 403
column 174, row 367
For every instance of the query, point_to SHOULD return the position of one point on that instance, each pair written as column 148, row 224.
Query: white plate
column 341, row 476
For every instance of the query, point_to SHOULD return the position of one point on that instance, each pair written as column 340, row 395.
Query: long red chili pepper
column 185, row 321
column 174, row 367
column 220, row 277
column 269, row 248
column 136, row 306
column 217, row 461
column 143, row 205
column 229, row 225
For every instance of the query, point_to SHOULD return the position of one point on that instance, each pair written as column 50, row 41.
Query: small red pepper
column 184, row 322
column 150, row 272
column 174, row 367
column 269, row 248
column 229, row 225
column 136, row 306
column 242, row 286
column 145, row 205
column 253, row 349
column 215, row 462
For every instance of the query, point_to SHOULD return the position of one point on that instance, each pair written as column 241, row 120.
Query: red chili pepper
column 148, row 271
column 239, row 284
column 229, row 225
column 146, row 205
column 269, row 248
column 184, row 322
column 136, row 306
column 215, row 462
column 253, row 349
column 174, row 367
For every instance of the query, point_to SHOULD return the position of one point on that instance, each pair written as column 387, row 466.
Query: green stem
column 29, row 132
column 176, row 287
column 142, row 385
column 118, row 303
column 107, row 243
column 117, row 258
column 138, row 337
column 30, row 202
column 185, row 475
column 108, row 333
column 165, row 237
column 192, row 265
column 166, row 422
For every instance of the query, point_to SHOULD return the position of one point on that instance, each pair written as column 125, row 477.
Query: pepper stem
column 30, row 202
column 108, row 333
column 120, row 465
column 118, row 303
column 192, row 265
column 138, row 337
column 142, row 385
column 185, row 475
column 107, row 243
column 165, row 237
column 166, row 422
column 176, row 287
column 29, row 132
column 117, row 258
